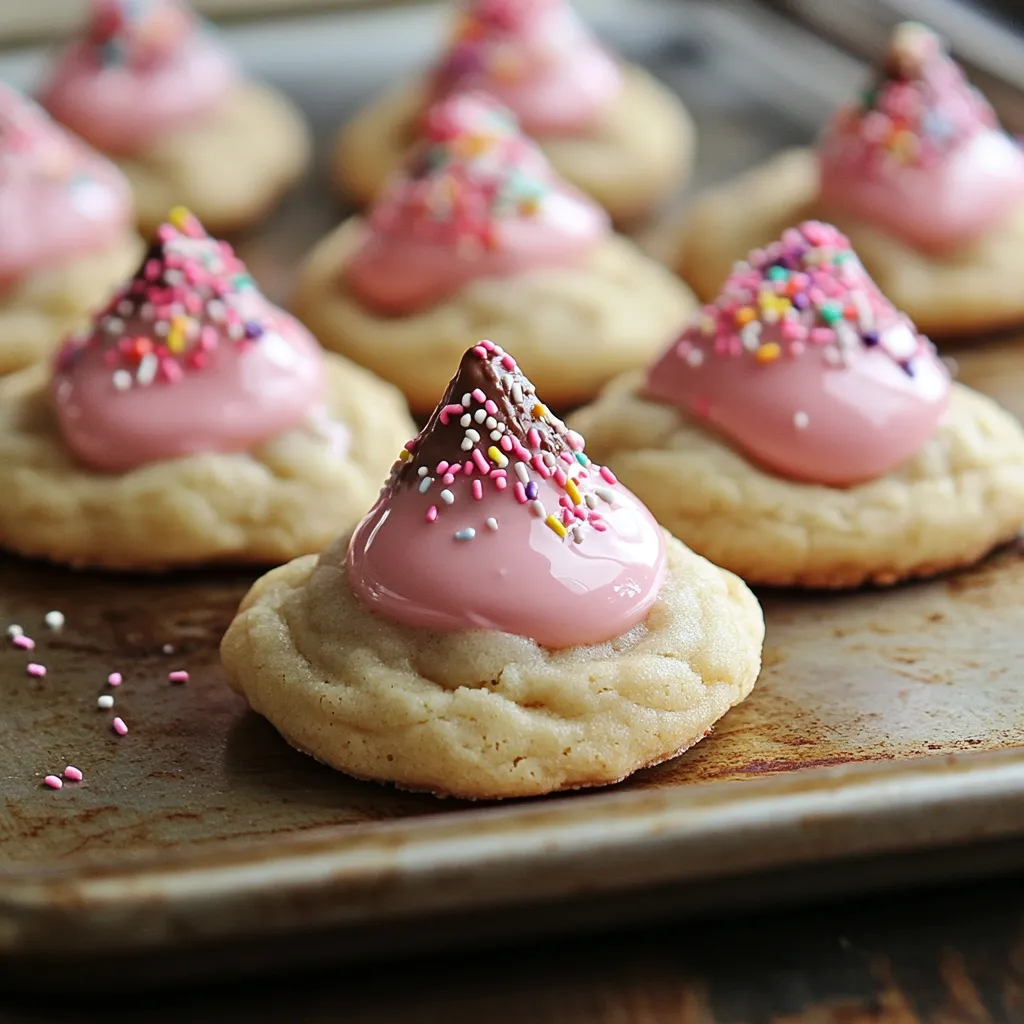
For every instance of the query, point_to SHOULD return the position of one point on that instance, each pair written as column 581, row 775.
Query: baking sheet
column 884, row 722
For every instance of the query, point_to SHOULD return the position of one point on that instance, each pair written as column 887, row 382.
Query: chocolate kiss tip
column 487, row 376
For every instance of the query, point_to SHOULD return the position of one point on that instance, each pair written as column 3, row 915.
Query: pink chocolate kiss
column 476, row 199
column 806, row 367
column 133, row 78
column 923, row 154
column 189, row 357
column 520, row 535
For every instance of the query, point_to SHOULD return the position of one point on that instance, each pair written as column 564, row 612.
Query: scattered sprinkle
column 178, row 676
column 801, row 420
column 14, row 630
column 119, row 727
column 73, row 774
column 53, row 781
column 26, row 643
column 492, row 523
column 105, row 702
column 54, row 620
column 36, row 670
column 465, row 534
column 114, row 679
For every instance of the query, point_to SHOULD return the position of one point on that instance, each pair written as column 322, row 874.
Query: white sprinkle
column 473, row 435
column 162, row 329
column 801, row 420
column 215, row 309
column 501, row 428
column 480, row 415
column 577, row 535
column 113, row 324
column 549, row 459
column 425, row 484
column 832, row 355
column 537, row 508
column 604, row 494
column 125, row 308
column 750, row 336
column 467, row 399
column 236, row 332
column 523, row 472
column 105, row 701
column 148, row 366
column 467, row 534
column 695, row 357
column 492, row 523
column 517, row 393
column 167, row 648
column 122, row 380
column 447, row 497
column 495, row 435
column 55, row 620
column 590, row 500
column 491, row 423
column 865, row 315
column 14, row 630
column 422, row 471
column 465, row 420
column 147, row 312
column 466, row 444
column 174, row 277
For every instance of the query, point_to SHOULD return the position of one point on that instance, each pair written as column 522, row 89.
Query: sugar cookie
column 917, row 173
column 476, row 235
column 801, row 432
column 148, row 85
column 607, row 127
column 508, row 620
column 192, row 423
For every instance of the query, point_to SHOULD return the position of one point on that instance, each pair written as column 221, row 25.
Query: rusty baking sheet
column 884, row 723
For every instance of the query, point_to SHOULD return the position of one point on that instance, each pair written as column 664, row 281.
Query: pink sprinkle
column 608, row 476
column 53, row 781
column 479, row 395
column 26, row 643
column 455, row 467
column 520, row 493
column 431, row 513
column 480, row 351
column 36, row 670
column 490, row 407
column 566, row 457
column 495, row 473
column 500, row 482
column 598, row 525
column 488, row 346
column 449, row 410
column 178, row 676
column 478, row 490
column 533, row 437
column 449, row 478
column 796, row 348
column 520, row 451
column 442, row 466
column 578, row 512
column 481, row 462
column 114, row 679
column 72, row 773
column 508, row 362
column 822, row 335
column 560, row 478
column 119, row 727
column 505, row 443
column 567, row 517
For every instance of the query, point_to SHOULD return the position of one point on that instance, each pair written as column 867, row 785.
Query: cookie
column 478, row 236
column 164, row 439
column 607, row 127
column 505, row 682
column 66, row 236
column 816, row 443
column 920, row 178
column 152, row 88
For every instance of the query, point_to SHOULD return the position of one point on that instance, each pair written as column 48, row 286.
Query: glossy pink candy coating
column 412, row 559
column 537, row 58
column 476, row 199
column 146, row 383
column 131, row 78
column 834, row 400
column 58, row 198
column 924, row 156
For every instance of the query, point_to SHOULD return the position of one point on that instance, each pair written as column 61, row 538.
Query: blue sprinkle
column 253, row 329
column 425, row 484
column 467, row 534
column 531, row 490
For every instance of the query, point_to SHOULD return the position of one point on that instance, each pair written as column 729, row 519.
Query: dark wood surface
column 947, row 956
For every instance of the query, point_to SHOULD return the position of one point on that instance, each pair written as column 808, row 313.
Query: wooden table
column 946, row 956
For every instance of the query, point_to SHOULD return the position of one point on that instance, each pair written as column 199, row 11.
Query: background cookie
column 572, row 329
column 284, row 498
column 642, row 152
column 480, row 714
column 961, row 495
